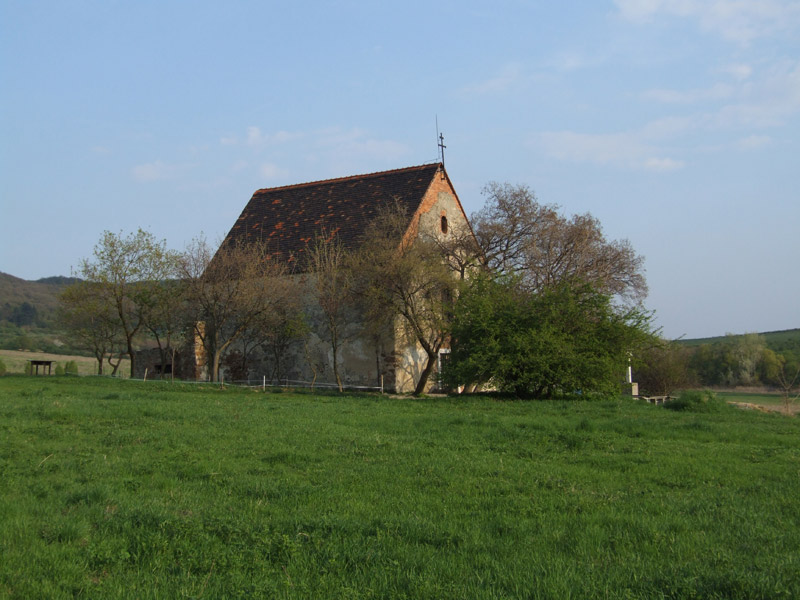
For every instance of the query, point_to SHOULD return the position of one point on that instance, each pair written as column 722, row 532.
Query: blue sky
column 675, row 122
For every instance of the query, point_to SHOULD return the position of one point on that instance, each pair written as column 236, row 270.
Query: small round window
column 444, row 224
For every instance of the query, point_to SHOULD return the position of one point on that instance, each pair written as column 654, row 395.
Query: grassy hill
column 118, row 489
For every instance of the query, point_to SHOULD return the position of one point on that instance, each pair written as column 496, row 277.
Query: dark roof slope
column 288, row 217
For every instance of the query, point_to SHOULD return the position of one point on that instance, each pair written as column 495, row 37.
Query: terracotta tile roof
column 288, row 217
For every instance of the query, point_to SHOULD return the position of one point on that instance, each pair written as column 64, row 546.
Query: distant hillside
column 787, row 340
column 41, row 294
column 28, row 314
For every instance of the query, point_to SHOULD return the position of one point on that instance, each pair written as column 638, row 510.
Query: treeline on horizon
column 732, row 360
column 770, row 359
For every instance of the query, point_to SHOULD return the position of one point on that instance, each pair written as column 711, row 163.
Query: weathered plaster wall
column 440, row 201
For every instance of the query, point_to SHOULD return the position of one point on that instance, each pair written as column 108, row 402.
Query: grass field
column 15, row 361
column 119, row 489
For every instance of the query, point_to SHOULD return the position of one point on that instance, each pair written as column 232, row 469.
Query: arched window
column 444, row 224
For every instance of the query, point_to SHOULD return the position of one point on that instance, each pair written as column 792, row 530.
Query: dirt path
column 794, row 408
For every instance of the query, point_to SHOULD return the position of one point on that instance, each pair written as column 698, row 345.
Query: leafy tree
column 769, row 366
column 91, row 320
column 126, row 270
column 402, row 275
column 746, row 352
column 229, row 292
column 544, row 249
column 736, row 360
column 564, row 339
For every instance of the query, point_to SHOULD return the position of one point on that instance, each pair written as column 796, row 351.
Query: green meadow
column 120, row 489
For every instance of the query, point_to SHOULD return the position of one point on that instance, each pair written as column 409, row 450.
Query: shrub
column 59, row 370
column 2, row 367
column 695, row 401
column 71, row 367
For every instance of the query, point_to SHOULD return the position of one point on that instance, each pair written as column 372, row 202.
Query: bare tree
column 273, row 331
column 229, row 292
column 663, row 368
column 520, row 236
column 787, row 383
column 460, row 249
column 329, row 265
column 406, row 276
column 164, row 307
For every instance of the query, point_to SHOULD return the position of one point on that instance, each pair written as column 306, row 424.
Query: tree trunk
column 132, row 355
column 426, row 373
column 215, row 365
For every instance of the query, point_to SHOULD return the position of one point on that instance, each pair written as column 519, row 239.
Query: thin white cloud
column 630, row 150
column 719, row 91
column 357, row 142
column 333, row 149
column 758, row 100
column 754, row 142
column 254, row 136
column 740, row 72
column 272, row 171
column 668, row 127
column 508, row 76
column 574, row 60
column 740, row 21
column 153, row 171
column 767, row 102
column 663, row 164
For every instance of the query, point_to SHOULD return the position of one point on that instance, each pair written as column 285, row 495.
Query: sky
column 675, row 122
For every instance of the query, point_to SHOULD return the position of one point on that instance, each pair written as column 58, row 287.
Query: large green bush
column 563, row 340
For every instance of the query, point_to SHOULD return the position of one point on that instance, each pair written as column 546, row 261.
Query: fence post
column 145, row 374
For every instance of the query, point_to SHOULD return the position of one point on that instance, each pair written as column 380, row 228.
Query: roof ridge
column 348, row 177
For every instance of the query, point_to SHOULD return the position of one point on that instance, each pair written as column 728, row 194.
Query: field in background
column 767, row 401
column 759, row 397
column 15, row 361
column 123, row 489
